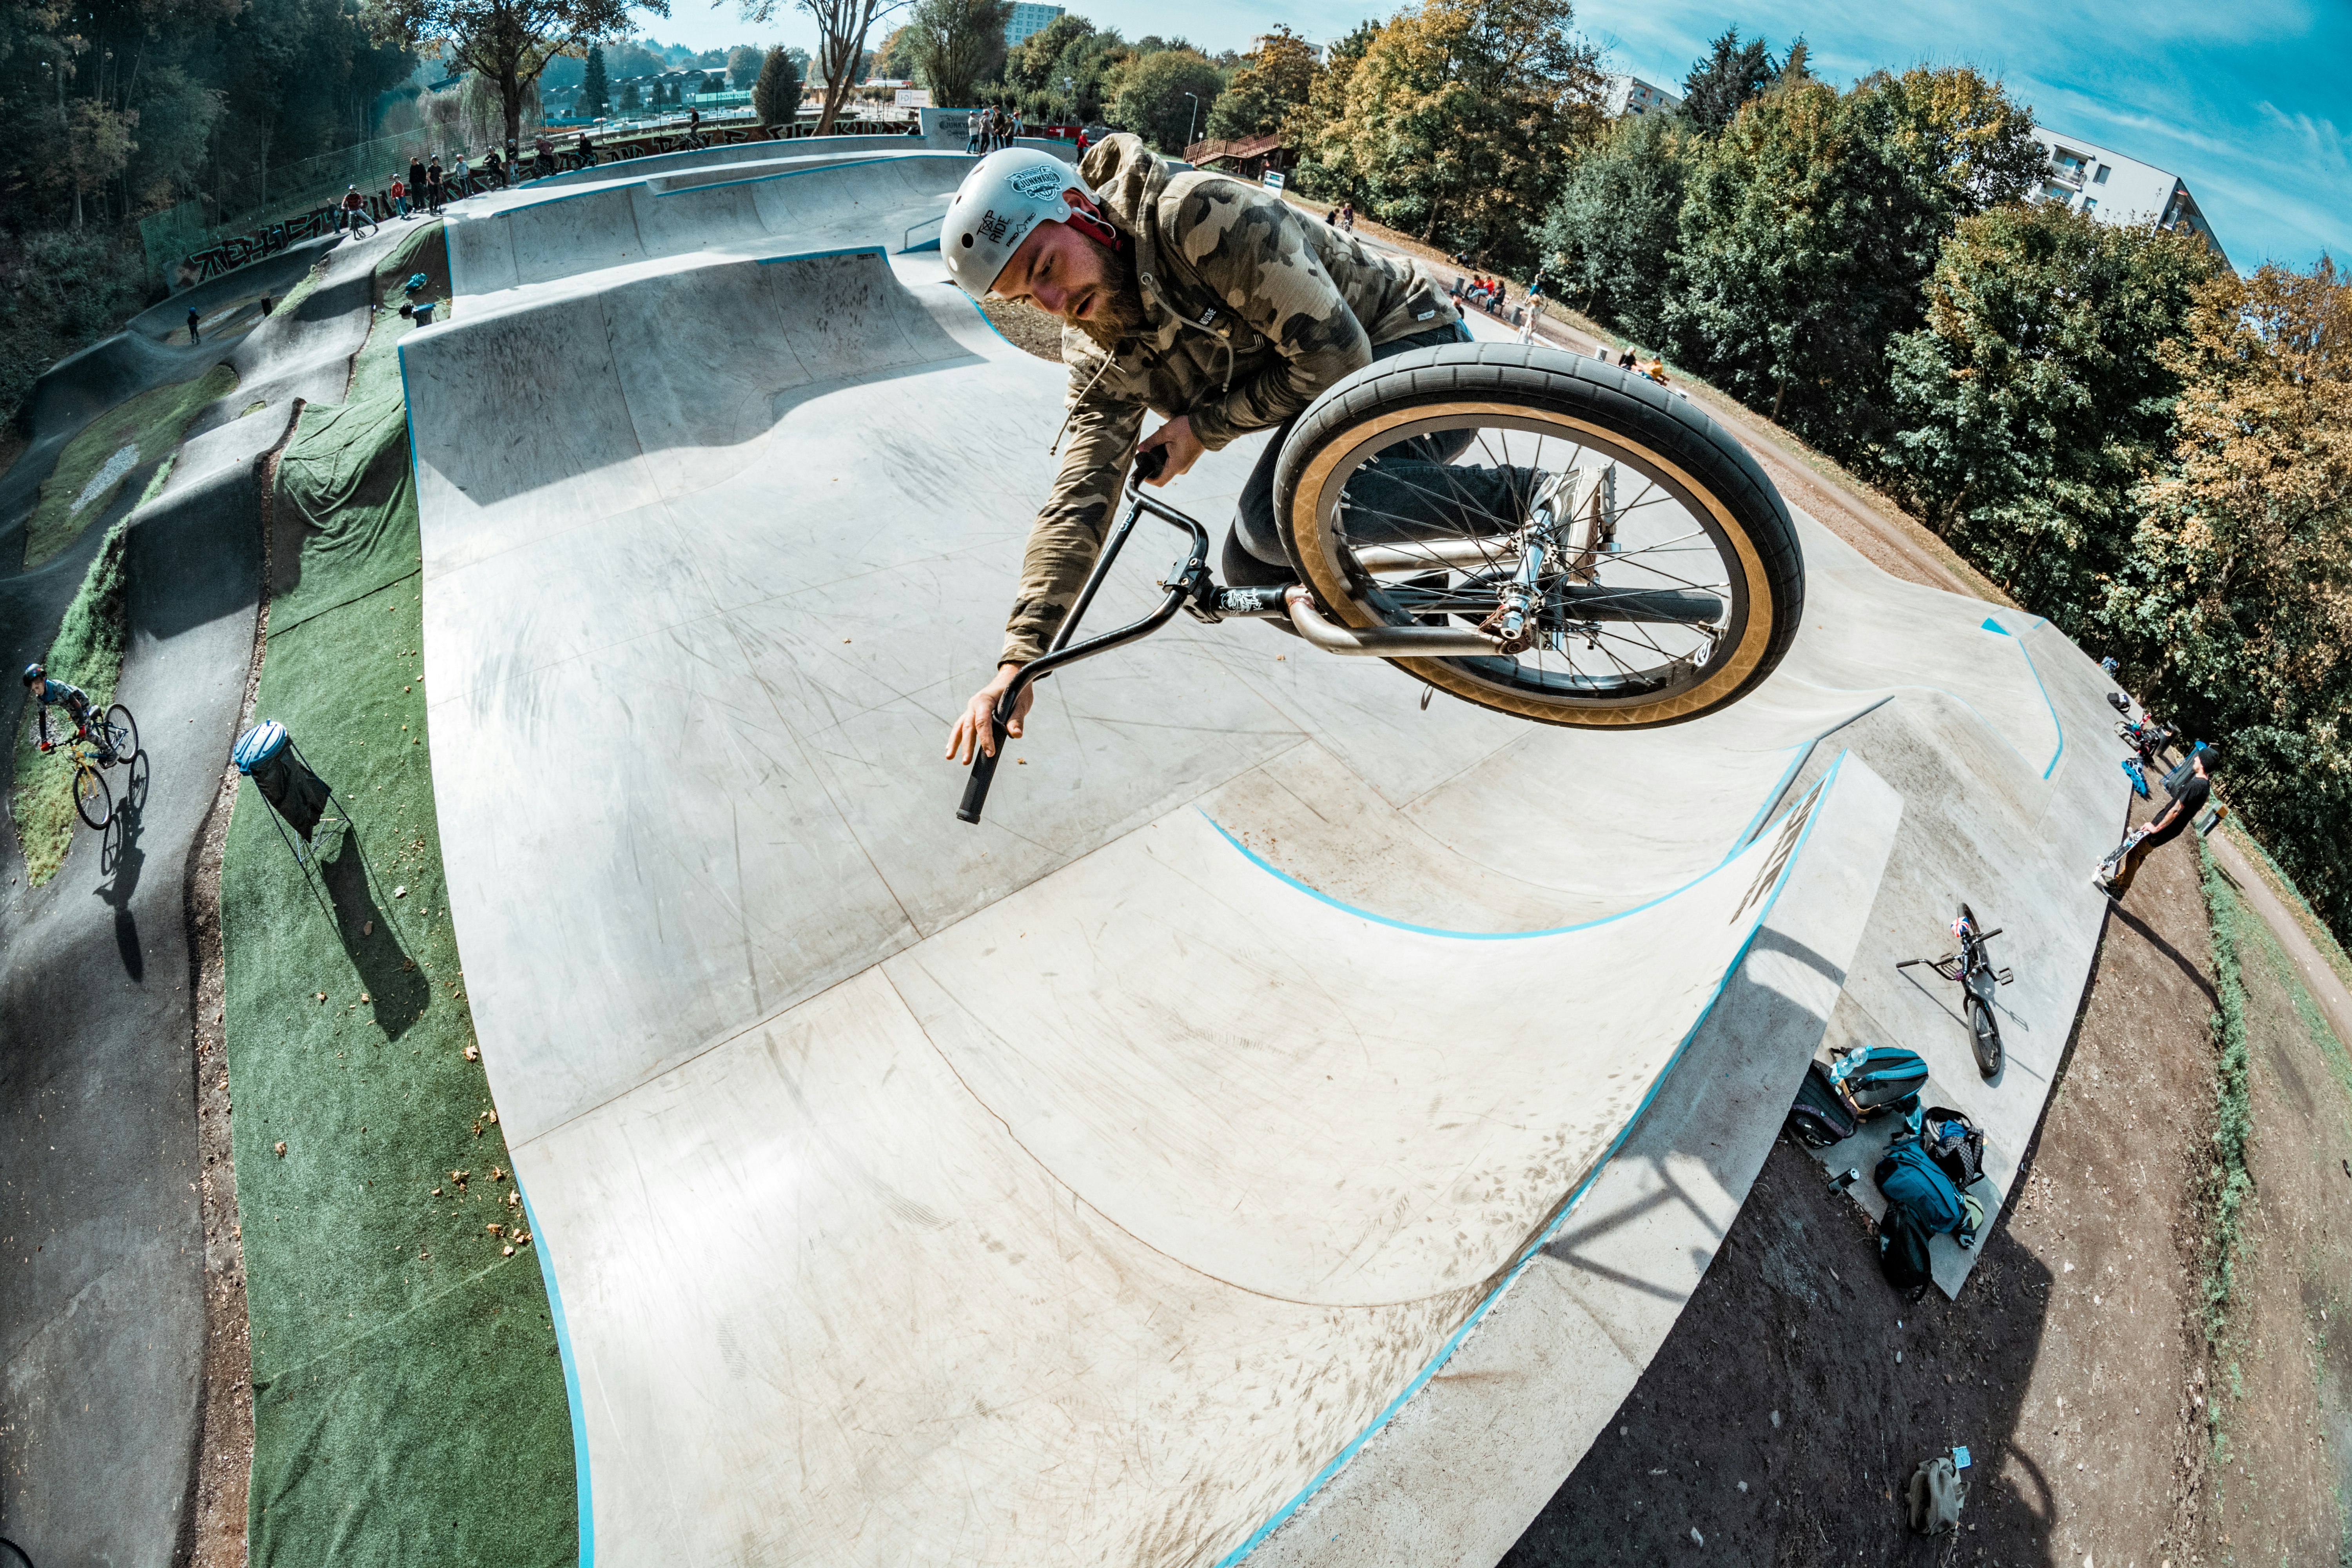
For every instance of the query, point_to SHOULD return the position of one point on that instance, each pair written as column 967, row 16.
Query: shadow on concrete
column 119, row 855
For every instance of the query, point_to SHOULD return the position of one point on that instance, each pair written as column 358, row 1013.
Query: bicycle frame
column 1190, row 588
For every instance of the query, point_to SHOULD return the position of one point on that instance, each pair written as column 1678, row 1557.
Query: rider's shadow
column 396, row 988
column 121, row 854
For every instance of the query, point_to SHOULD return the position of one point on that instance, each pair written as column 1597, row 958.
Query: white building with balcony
column 2117, row 189
column 1632, row 95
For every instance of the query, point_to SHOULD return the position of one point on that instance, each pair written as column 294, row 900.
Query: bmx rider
column 2115, row 873
column 75, row 702
column 1203, row 301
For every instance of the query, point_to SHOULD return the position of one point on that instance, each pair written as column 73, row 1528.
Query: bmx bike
column 360, row 225
column 1972, row 968
column 113, row 740
column 1525, row 529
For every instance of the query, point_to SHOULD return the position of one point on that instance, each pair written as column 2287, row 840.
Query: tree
column 2037, row 395
column 631, row 99
column 954, row 44
column 841, row 53
column 776, row 97
column 2236, row 609
column 1612, row 234
column 98, row 148
column 1730, row 75
column 508, row 43
column 1461, row 119
column 743, row 67
column 1309, row 125
column 595, row 91
column 1811, row 223
column 1271, row 85
column 1166, row 97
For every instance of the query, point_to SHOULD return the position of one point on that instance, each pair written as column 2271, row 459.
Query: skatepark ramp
column 1133, row 1177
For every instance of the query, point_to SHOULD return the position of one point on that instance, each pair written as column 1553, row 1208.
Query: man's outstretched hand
column 1183, row 448
column 974, row 732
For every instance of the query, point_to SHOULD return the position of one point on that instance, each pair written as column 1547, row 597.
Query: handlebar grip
column 983, row 769
column 1150, row 461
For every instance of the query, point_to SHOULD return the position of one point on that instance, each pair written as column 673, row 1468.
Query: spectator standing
column 192, row 325
column 416, row 180
column 1348, row 216
column 2115, row 875
column 433, row 184
column 399, row 197
column 461, row 181
column 694, row 127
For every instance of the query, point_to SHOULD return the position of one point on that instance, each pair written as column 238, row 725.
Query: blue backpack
column 1909, row 1175
column 1876, row 1080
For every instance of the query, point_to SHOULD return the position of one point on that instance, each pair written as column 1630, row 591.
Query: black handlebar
column 1189, row 575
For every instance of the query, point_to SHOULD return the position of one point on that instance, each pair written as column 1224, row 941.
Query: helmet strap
column 1095, row 229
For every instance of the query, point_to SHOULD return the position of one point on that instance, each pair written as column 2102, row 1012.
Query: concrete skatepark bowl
column 1287, row 1126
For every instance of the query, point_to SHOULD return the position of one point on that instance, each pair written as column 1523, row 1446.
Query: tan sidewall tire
column 1319, row 447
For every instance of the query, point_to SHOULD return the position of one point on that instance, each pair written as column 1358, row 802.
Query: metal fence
column 182, row 251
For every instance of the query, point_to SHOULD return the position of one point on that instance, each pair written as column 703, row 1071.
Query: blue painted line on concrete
column 571, row 1384
column 1454, row 1341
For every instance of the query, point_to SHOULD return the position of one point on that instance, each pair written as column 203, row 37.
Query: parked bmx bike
column 1526, row 530
column 1972, row 968
column 112, row 741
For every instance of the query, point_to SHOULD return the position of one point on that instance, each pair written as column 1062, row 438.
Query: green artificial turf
column 88, row 653
column 116, row 444
column 409, row 1405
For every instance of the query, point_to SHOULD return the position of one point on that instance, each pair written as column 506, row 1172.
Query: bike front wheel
column 93, row 802
column 1985, row 1035
column 121, row 733
column 1635, row 565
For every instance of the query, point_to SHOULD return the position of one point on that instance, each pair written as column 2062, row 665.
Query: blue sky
column 2249, row 101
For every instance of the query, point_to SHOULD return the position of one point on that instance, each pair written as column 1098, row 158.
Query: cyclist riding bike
column 1211, row 304
column 351, row 209
column 75, row 702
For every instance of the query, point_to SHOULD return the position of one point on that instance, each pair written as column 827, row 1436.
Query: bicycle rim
column 93, row 802
column 1644, row 532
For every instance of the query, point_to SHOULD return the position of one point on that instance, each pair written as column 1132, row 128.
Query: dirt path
column 2319, row 977
column 1797, row 1391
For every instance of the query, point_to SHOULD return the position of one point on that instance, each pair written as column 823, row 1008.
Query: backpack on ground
column 1954, row 1142
column 1821, row 1116
column 1876, row 1080
column 1903, row 1250
column 1909, row 1175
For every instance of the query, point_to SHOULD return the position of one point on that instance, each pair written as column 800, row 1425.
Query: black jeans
column 1406, row 497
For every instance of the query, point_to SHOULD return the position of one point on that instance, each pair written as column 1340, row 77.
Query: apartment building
column 2117, row 189
column 1028, row 17
column 1632, row 95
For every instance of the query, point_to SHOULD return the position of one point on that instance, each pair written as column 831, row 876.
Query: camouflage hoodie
column 1250, row 310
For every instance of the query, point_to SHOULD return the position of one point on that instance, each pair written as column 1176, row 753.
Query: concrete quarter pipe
column 1089, row 1187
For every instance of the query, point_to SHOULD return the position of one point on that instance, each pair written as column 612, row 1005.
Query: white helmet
column 1006, row 194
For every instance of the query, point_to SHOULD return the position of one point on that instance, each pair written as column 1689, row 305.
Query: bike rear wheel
column 93, row 802
column 1656, row 570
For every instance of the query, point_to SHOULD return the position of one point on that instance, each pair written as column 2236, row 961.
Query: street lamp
column 1193, row 119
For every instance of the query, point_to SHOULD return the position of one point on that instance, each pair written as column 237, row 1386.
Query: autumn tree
column 2235, row 611
column 1271, row 86
column 507, row 43
column 1461, row 118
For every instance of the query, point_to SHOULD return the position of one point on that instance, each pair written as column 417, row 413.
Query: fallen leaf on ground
column 491, row 1117
column 473, row 1054
column 400, row 892
column 363, row 997
column 509, row 1252
column 367, row 928
column 282, row 1150
column 496, row 1175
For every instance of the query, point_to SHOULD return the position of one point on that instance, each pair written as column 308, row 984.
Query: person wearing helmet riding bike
column 54, row 693
column 1202, row 299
